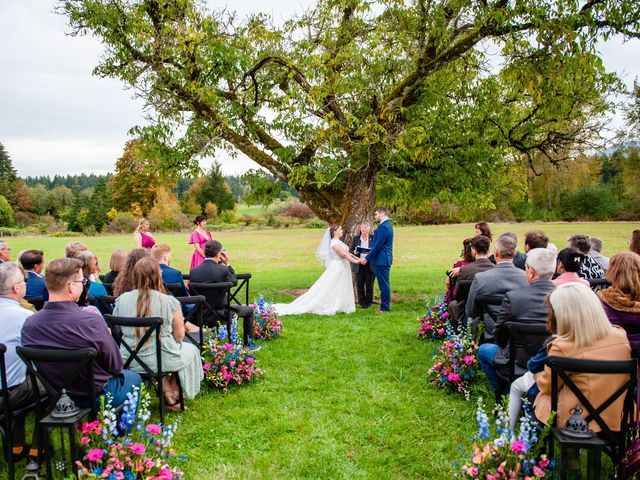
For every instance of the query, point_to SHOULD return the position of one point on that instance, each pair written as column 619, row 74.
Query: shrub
column 6, row 213
column 228, row 216
column 589, row 203
column 165, row 213
column 122, row 222
column 296, row 210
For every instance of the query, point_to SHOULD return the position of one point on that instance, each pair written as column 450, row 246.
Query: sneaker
column 254, row 347
column 32, row 464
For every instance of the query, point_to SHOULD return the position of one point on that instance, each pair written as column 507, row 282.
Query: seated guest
column 583, row 332
column 73, row 249
column 497, row 281
column 216, row 269
column 62, row 325
column 116, row 263
column 5, row 251
column 479, row 251
column 162, row 253
column 149, row 300
column 452, row 275
column 124, row 280
column 535, row 239
column 596, row 252
column 521, row 305
column 568, row 266
column 12, row 317
column 589, row 268
column 621, row 300
column 518, row 258
column 90, row 269
column 33, row 262
column 634, row 243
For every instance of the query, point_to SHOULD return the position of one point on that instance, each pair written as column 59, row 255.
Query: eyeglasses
column 83, row 281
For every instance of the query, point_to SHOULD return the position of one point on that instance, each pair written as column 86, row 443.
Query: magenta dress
column 147, row 240
column 196, row 238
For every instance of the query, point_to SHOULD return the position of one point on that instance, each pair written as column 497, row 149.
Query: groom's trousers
column 382, row 275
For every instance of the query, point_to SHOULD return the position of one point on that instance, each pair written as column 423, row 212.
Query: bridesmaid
column 141, row 237
column 198, row 238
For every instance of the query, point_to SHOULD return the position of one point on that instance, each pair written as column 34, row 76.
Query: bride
column 333, row 291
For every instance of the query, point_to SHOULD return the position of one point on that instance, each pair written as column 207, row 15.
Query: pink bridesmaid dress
column 147, row 240
column 197, row 238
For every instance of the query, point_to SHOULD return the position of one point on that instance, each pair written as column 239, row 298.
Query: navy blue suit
column 173, row 275
column 36, row 286
column 381, row 257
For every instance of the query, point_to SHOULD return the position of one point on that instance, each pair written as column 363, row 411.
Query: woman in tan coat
column 583, row 332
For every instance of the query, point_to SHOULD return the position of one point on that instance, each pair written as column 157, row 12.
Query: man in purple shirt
column 62, row 325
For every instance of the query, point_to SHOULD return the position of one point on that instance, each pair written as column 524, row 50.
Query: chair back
column 194, row 315
column 461, row 291
column 217, row 301
column 599, row 282
column 562, row 367
column 108, row 287
column 6, row 407
column 525, row 340
column 489, row 315
column 173, row 288
column 243, row 283
column 83, row 361
column 36, row 300
column 106, row 304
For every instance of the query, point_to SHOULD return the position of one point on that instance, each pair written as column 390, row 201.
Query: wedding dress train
column 332, row 293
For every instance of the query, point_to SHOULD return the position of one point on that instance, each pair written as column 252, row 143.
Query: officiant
column 364, row 273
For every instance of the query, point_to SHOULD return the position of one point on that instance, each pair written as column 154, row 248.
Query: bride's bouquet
column 266, row 323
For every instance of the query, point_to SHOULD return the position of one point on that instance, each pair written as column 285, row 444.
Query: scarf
column 619, row 300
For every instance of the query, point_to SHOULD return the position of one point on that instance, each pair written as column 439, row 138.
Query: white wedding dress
column 332, row 293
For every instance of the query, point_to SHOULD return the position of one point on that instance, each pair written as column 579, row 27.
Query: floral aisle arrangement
column 501, row 455
column 226, row 361
column 433, row 324
column 128, row 448
column 267, row 325
column 456, row 363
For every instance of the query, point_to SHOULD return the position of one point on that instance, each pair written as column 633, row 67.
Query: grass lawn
column 344, row 396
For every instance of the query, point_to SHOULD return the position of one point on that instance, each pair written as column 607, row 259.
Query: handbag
column 629, row 466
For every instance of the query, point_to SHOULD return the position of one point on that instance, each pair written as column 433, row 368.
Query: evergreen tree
column 99, row 204
column 8, row 175
column 215, row 190
column 72, row 213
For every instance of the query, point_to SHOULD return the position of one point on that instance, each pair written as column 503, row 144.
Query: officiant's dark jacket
column 211, row 272
column 355, row 267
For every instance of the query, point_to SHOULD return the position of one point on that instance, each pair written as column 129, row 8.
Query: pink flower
column 137, row 448
column 227, row 376
column 518, row 446
column 453, row 377
column 206, row 366
column 228, row 347
column 441, row 331
column 153, row 429
column 84, row 440
column 468, row 359
column 250, row 360
column 165, row 474
column 544, row 462
column 537, row 471
column 95, row 454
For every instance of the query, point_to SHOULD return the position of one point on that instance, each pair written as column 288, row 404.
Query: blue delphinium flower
column 484, row 430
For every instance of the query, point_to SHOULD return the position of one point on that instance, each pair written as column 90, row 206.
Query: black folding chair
column 599, row 282
column 107, row 304
column 186, row 276
column 174, row 289
column 83, row 360
column 485, row 302
column 525, row 340
column 217, row 302
column 36, row 300
column 243, row 283
column 152, row 327
column 194, row 316
column 461, row 294
column 8, row 413
column 612, row 442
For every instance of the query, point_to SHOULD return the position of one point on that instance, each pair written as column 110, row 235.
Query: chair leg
column 180, row 392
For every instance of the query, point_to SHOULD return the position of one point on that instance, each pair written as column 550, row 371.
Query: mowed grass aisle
column 344, row 396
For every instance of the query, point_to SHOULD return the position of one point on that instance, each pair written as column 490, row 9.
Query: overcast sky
column 56, row 118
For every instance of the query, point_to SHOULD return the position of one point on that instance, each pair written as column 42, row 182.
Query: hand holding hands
column 363, row 261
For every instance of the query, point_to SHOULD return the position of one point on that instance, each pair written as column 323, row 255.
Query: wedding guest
column 634, row 243
column 142, row 238
column 73, row 249
column 116, row 264
column 162, row 253
column 5, row 251
column 497, row 281
column 364, row 273
column 149, row 300
column 33, row 262
column 62, row 325
column 519, row 258
column 568, row 266
column 198, row 238
column 90, row 269
column 621, row 300
column 124, row 280
column 452, row 275
column 483, row 229
column 216, row 268
column 596, row 253
column 553, row 248
column 589, row 267
column 584, row 332
column 20, row 388
column 535, row 239
column 521, row 305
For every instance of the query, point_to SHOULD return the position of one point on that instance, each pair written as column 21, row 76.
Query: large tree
column 429, row 97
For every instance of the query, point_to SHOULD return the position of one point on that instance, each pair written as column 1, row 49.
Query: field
column 344, row 396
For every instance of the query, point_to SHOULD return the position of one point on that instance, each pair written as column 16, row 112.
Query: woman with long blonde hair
column 142, row 238
column 148, row 299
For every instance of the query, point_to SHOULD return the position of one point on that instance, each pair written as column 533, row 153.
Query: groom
column 381, row 256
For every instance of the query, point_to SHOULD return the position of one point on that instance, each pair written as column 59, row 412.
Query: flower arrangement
column 128, row 448
column 228, row 362
column 266, row 323
column 433, row 324
column 456, row 363
column 506, row 456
